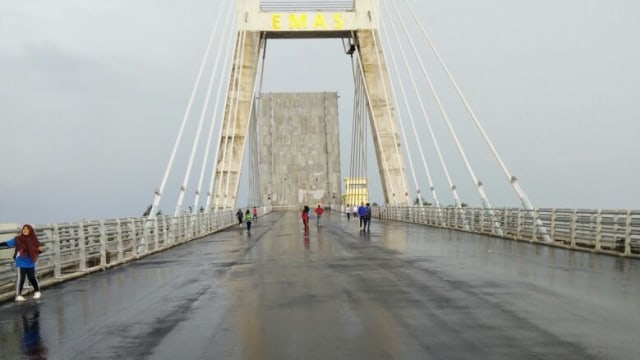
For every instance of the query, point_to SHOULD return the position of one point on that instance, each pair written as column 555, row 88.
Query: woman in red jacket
column 305, row 219
column 319, row 211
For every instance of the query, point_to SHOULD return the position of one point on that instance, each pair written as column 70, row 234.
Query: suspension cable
column 360, row 144
column 479, row 185
column 228, row 57
column 363, row 147
column 227, row 41
column 235, row 123
column 354, row 169
column 160, row 190
column 445, row 168
column 197, row 136
column 360, row 140
column 250, row 114
column 404, row 137
column 368, row 97
column 228, row 113
column 254, row 172
column 512, row 179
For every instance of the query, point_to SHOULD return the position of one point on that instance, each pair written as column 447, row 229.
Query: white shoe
column 20, row 298
column 37, row 295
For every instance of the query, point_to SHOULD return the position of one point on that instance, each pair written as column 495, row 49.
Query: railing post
column 598, row 244
column 505, row 220
column 103, row 244
column 119, row 241
column 165, row 233
column 574, row 220
column 57, row 259
column 456, row 218
column 156, row 236
column 534, row 228
column 519, row 225
column 134, row 238
column 82, row 247
column 627, row 234
column 553, row 224
column 177, row 233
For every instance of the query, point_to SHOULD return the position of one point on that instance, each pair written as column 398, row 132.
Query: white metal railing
column 316, row 5
column 75, row 249
column 604, row 231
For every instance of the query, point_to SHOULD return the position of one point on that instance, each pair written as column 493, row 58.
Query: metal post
column 133, row 238
column 574, row 220
column 57, row 266
column 103, row 244
column 119, row 241
column 519, row 225
column 599, row 230
column 627, row 234
column 156, row 235
column 553, row 224
column 82, row 247
column 534, row 228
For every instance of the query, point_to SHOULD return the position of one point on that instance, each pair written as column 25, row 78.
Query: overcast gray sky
column 92, row 94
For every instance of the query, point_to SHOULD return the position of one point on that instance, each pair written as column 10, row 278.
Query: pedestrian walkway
column 400, row 291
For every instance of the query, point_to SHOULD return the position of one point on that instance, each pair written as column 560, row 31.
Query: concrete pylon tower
column 357, row 21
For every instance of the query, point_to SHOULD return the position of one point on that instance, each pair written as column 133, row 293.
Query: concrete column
column 236, row 119
column 382, row 114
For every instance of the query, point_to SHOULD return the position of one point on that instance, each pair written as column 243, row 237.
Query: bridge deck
column 402, row 291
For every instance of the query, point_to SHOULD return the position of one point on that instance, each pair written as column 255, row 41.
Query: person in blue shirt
column 28, row 248
column 367, row 218
column 362, row 211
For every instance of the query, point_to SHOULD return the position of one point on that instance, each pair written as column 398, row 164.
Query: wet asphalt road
column 400, row 292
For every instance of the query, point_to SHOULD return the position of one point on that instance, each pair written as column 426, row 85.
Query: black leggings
column 26, row 273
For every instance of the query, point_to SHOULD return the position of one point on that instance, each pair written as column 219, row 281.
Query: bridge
column 440, row 274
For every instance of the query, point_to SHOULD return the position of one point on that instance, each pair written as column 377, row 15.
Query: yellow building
column 356, row 191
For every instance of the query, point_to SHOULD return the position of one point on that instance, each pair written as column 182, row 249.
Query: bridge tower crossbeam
column 258, row 24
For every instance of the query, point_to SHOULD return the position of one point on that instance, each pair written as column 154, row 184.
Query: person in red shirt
column 305, row 219
column 319, row 211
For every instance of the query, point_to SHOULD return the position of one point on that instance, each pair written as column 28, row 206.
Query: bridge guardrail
column 76, row 249
column 613, row 232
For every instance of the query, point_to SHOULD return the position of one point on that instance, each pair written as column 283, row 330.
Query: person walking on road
column 28, row 249
column 305, row 218
column 319, row 211
column 247, row 219
column 348, row 213
column 361, row 213
column 367, row 218
column 255, row 214
column 240, row 216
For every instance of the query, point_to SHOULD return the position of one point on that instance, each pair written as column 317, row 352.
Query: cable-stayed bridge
column 434, row 277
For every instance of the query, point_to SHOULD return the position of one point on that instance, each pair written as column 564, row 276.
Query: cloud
column 93, row 93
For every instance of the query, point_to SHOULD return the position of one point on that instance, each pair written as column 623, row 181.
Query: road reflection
column 31, row 341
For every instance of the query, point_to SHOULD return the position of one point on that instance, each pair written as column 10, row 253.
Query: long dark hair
column 28, row 244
